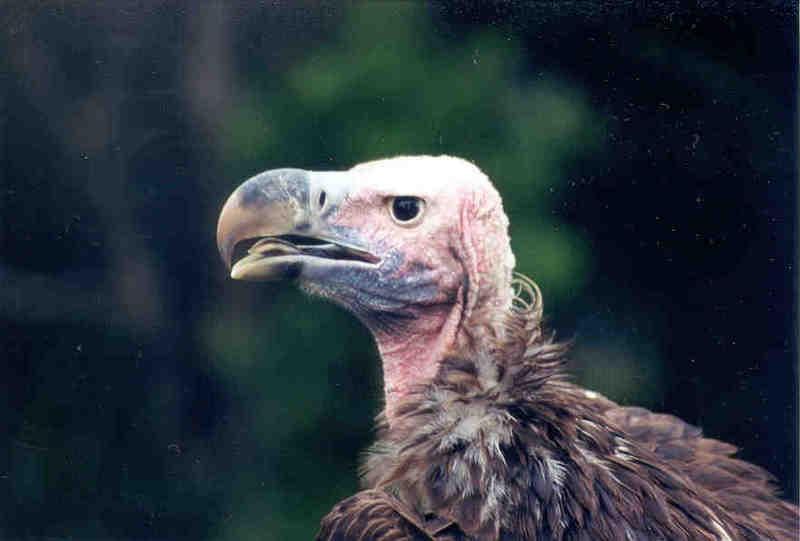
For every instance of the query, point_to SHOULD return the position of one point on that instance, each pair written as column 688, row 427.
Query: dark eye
column 406, row 209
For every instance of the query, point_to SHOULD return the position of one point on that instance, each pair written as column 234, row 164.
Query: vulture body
column 482, row 436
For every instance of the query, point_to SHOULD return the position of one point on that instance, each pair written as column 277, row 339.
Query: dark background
column 646, row 153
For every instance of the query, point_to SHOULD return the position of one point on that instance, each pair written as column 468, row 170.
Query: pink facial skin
column 453, row 264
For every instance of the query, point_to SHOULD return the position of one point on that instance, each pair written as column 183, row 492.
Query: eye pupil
column 405, row 208
column 322, row 198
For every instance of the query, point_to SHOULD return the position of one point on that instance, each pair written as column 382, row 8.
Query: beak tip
column 264, row 205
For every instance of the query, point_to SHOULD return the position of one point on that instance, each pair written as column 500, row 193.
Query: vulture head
column 416, row 247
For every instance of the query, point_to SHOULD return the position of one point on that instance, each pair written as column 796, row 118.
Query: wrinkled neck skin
column 411, row 353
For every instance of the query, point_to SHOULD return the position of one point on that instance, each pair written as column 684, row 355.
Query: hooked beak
column 288, row 210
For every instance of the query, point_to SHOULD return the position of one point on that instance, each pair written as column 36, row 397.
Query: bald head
column 416, row 247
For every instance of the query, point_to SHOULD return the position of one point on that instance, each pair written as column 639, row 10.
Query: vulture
column 482, row 436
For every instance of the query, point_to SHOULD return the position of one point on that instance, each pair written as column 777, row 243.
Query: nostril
column 322, row 198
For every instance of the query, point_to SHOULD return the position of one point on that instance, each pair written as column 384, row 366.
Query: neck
column 412, row 351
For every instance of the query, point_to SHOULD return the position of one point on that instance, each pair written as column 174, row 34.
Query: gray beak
column 288, row 210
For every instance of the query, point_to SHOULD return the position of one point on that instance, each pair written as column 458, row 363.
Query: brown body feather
column 501, row 446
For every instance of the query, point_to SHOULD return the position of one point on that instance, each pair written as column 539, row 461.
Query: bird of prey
column 482, row 436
